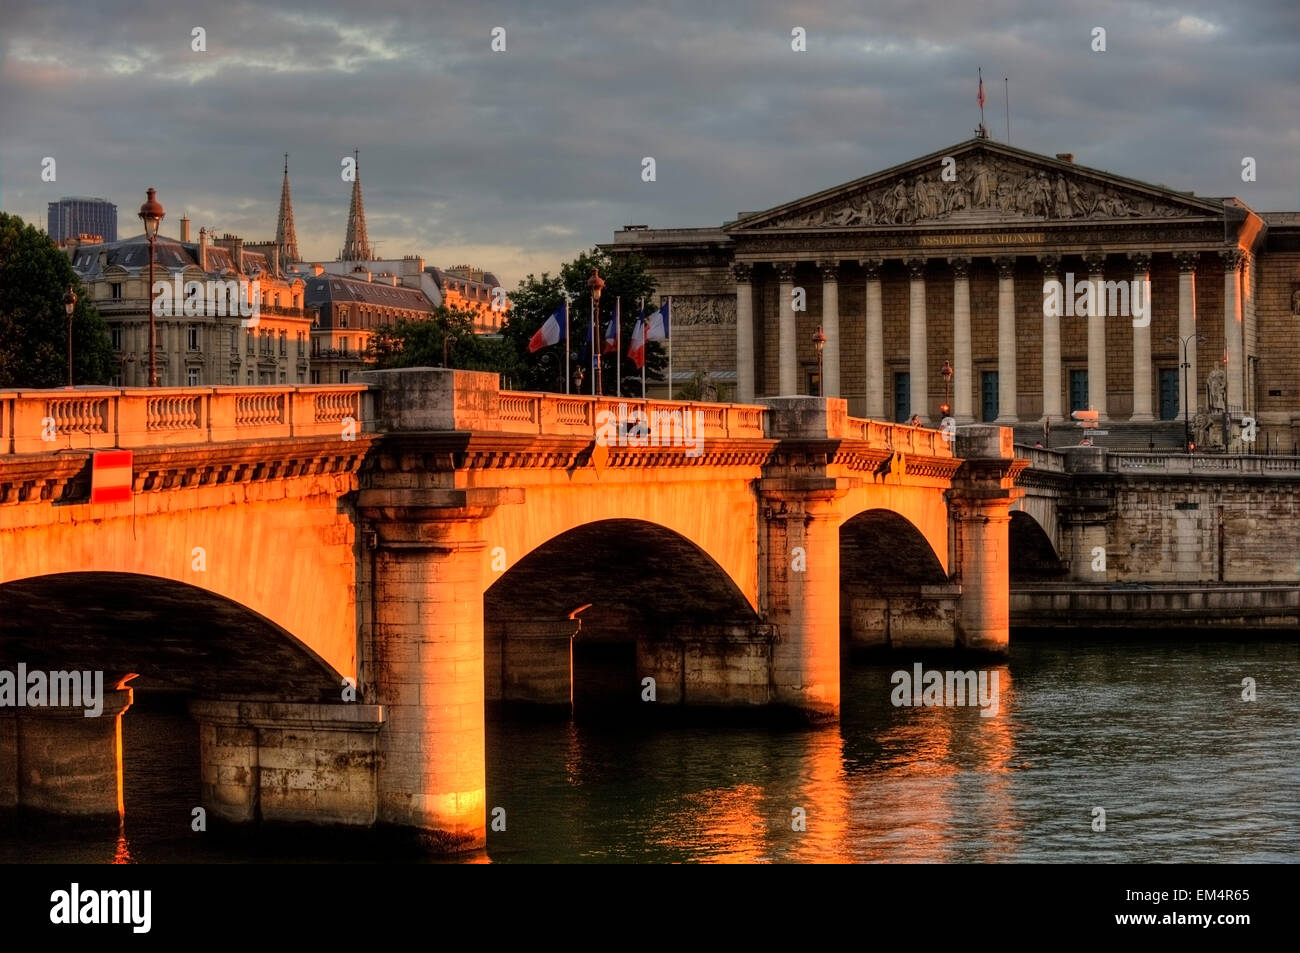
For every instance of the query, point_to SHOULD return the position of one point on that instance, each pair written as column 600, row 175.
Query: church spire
column 286, row 237
column 356, row 245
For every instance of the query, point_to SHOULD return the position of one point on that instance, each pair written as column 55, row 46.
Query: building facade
column 948, row 260
column 78, row 215
column 473, row 289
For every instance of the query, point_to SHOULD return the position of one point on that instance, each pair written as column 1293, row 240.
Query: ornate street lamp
column 1187, row 394
column 151, row 213
column 69, row 306
column 595, row 284
column 819, row 342
column 946, row 410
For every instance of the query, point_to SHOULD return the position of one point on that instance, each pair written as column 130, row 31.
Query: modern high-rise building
column 78, row 215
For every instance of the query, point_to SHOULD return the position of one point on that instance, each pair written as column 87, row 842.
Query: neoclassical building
column 944, row 259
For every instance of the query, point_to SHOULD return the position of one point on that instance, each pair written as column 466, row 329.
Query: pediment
column 991, row 184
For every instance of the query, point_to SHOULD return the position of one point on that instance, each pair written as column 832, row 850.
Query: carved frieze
column 690, row 310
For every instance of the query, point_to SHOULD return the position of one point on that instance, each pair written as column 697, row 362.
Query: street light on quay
column 595, row 284
column 69, row 306
column 151, row 213
column 946, row 410
column 819, row 342
column 1187, row 394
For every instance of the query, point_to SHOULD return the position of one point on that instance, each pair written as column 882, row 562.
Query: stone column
column 744, row 332
column 1051, row 347
column 875, row 344
column 1097, row 337
column 980, row 501
column 831, row 328
column 787, row 346
column 961, row 342
column 1233, row 332
column 918, row 350
column 1142, row 399
column 1007, row 413
column 1189, row 387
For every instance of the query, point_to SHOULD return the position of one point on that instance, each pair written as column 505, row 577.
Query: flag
column 657, row 323
column 611, row 334
column 584, row 352
column 552, row 332
column 980, row 98
column 636, row 350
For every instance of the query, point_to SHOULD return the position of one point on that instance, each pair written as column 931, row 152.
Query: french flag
column 636, row 350
column 657, row 323
column 553, row 331
column 611, row 333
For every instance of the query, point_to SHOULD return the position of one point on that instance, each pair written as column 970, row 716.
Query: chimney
column 1065, row 156
column 203, row 249
column 185, row 228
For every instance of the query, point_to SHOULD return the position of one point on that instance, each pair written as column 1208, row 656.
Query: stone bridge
column 342, row 576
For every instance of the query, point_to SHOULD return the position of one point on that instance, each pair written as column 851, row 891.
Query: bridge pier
column 59, row 761
column 710, row 664
column 980, row 503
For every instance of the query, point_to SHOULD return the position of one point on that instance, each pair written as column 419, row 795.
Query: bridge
column 342, row 576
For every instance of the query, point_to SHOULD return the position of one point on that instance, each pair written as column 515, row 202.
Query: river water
column 1154, row 733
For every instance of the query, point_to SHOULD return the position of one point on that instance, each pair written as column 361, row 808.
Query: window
column 315, row 347
column 234, row 340
column 902, row 397
column 284, row 344
column 192, row 376
column 115, row 289
column 248, row 340
column 1078, row 390
column 343, row 377
column 300, row 377
column 343, row 345
column 1168, row 393
column 250, row 378
column 192, row 337
column 282, row 378
column 988, row 396
column 343, row 317
column 315, row 377
column 234, row 378
column 115, row 335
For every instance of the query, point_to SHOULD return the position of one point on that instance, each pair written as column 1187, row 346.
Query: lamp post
column 595, row 284
column 1187, row 394
column 819, row 342
column 946, row 410
column 151, row 213
column 70, row 305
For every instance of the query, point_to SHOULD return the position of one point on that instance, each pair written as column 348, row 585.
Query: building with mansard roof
column 951, row 259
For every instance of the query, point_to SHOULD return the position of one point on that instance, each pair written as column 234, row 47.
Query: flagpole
column 1006, row 83
column 644, row 348
column 591, row 336
column 618, row 346
column 566, row 345
column 668, row 330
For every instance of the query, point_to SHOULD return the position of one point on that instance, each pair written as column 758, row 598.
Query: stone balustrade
column 44, row 421
column 1182, row 463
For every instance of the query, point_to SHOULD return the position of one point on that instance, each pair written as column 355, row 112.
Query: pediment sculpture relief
column 985, row 188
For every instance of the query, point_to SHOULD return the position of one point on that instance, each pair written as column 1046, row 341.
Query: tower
column 286, row 237
column 356, row 244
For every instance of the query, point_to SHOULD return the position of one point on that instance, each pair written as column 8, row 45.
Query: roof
column 90, row 261
column 327, row 288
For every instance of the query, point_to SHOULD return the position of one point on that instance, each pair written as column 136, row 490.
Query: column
column 1142, row 399
column 1007, row 413
column 1051, row 347
column 918, row 350
column 1187, row 393
column 1097, row 336
column 875, row 354
column 744, row 332
column 831, row 328
column 961, row 343
column 787, row 354
column 1232, row 328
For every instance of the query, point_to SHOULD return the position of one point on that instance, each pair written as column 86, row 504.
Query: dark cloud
column 516, row 160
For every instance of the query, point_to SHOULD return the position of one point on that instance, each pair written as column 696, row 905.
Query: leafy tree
column 536, row 299
column 34, row 277
column 448, row 331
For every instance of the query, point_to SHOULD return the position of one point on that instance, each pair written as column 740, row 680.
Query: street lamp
column 1187, row 395
column 69, row 305
column 578, row 378
column 946, row 374
column 595, row 284
column 819, row 342
column 151, row 213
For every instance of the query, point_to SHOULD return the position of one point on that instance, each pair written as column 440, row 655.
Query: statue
column 708, row 389
column 1216, row 387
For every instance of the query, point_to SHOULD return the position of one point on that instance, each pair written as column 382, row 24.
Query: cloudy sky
column 517, row 160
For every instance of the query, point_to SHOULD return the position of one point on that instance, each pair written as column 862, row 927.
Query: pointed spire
column 286, row 237
column 356, row 245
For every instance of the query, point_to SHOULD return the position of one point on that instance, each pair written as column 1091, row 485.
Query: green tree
column 448, row 331
column 34, row 277
column 536, row 299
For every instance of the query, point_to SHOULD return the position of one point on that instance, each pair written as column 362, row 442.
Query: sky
column 517, row 160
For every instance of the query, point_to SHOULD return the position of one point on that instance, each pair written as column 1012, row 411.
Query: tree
column 536, row 299
column 34, row 277
column 448, row 331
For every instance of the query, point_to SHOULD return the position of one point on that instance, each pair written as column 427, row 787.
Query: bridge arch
column 1033, row 557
